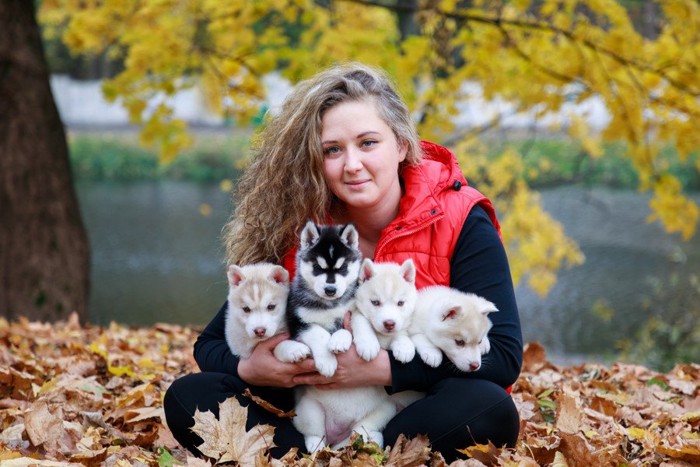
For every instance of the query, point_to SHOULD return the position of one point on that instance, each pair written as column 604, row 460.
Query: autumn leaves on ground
column 73, row 394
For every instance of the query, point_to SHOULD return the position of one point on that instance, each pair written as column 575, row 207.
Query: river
column 157, row 257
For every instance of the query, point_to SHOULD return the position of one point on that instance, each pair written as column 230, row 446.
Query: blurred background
column 597, row 186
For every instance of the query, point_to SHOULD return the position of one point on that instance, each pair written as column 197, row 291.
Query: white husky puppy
column 383, row 308
column 257, row 300
column 451, row 321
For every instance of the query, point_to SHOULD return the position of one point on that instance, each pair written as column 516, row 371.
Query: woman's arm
column 212, row 353
column 479, row 265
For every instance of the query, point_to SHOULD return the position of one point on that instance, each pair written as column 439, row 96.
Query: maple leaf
column 226, row 439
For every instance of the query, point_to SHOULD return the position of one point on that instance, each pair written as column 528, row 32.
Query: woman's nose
column 353, row 161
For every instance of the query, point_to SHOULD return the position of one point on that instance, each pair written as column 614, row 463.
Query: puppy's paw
column 326, row 365
column 431, row 357
column 290, row 351
column 403, row 350
column 367, row 347
column 313, row 443
column 375, row 437
column 340, row 341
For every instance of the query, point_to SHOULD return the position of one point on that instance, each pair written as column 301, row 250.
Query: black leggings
column 456, row 413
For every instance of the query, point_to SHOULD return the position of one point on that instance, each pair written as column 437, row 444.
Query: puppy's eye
column 400, row 303
column 246, row 309
column 271, row 307
column 460, row 342
column 375, row 302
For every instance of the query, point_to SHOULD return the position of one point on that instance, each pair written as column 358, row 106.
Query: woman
column 344, row 149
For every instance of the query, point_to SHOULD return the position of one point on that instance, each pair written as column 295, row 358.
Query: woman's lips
column 357, row 184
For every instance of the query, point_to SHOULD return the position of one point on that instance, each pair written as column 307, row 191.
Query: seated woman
column 344, row 149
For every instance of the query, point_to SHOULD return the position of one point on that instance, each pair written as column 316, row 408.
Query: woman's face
column 361, row 155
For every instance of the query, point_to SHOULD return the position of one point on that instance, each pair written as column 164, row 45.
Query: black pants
column 456, row 413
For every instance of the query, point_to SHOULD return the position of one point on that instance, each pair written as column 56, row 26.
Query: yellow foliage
column 677, row 212
column 536, row 243
column 536, row 56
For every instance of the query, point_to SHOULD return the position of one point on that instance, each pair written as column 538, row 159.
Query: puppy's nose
column 473, row 366
column 260, row 331
column 330, row 290
column 389, row 325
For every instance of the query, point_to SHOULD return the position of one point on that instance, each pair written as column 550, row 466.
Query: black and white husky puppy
column 322, row 292
column 328, row 265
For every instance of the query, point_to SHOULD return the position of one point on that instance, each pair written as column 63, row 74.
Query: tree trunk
column 44, row 250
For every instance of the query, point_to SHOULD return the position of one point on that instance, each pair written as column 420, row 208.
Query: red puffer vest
column 436, row 201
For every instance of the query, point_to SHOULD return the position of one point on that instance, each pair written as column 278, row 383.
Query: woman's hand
column 262, row 368
column 352, row 372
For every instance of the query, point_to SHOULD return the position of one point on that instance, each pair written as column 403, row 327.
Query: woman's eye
column 459, row 342
column 375, row 302
column 271, row 306
column 246, row 309
column 368, row 143
column 331, row 150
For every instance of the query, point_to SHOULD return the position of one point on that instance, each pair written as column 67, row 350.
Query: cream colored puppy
column 454, row 322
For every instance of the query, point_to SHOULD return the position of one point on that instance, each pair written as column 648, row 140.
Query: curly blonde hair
column 284, row 185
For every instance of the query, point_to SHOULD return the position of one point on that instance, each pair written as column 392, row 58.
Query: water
column 633, row 270
column 157, row 258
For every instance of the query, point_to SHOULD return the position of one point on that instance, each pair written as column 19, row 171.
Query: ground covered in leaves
column 72, row 394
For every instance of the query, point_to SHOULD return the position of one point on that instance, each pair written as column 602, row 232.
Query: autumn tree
column 541, row 56
column 44, row 254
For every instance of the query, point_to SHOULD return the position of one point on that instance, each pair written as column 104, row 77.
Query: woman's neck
column 369, row 222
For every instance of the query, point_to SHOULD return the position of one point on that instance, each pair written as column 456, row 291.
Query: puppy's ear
column 235, row 275
column 309, row 235
column 350, row 237
column 408, row 271
column 366, row 270
column 279, row 275
column 451, row 313
column 484, row 306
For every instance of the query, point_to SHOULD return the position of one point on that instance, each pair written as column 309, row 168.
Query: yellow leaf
column 120, row 370
column 636, row 433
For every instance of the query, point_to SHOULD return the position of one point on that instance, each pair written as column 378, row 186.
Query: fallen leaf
column 226, row 439
column 408, row 453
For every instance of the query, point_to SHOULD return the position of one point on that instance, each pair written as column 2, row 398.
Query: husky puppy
column 383, row 308
column 328, row 264
column 384, row 299
column 257, row 301
column 448, row 320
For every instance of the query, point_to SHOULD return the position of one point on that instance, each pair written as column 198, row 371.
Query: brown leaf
column 569, row 419
column 226, row 439
column 42, row 426
column 486, row 453
column 408, row 453
column 534, row 357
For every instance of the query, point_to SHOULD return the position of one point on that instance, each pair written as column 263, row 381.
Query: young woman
column 344, row 149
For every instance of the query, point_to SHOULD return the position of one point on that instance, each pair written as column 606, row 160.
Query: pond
column 157, row 257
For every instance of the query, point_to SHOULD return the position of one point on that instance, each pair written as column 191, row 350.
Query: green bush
column 552, row 161
column 118, row 157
